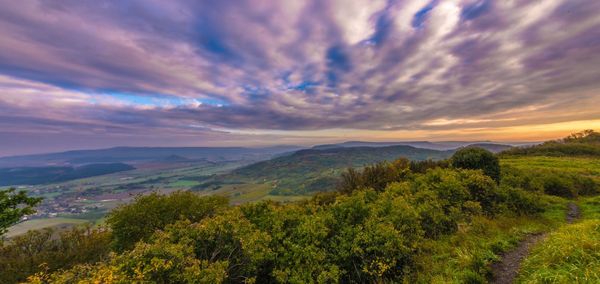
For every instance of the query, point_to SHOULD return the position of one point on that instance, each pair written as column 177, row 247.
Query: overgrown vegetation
column 140, row 219
column 50, row 250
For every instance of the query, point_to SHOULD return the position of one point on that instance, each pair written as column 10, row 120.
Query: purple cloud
column 134, row 67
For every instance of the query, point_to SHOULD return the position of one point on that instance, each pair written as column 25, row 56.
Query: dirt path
column 505, row 271
column 573, row 213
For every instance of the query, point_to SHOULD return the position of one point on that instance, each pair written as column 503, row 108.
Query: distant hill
column 583, row 144
column 44, row 175
column 494, row 148
column 134, row 155
column 443, row 145
column 317, row 169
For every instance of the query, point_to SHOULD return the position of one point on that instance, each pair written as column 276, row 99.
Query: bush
column 367, row 235
column 552, row 182
column 559, row 186
column 475, row 158
column 422, row 166
column 140, row 219
column 376, row 176
column 49, row 251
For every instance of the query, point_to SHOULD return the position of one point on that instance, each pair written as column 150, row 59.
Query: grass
column 465, row 257
column 37, row 224
column 590, row 207
column 576, row 165
column 570, row 254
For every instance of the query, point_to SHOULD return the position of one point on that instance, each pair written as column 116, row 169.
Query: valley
column 238, row 174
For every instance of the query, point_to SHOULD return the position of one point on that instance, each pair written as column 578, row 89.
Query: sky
column 78, row 74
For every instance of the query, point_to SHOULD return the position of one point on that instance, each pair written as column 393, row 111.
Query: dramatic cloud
column 258, row 72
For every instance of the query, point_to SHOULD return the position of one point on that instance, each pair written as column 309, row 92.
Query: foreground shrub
column 367, row 235
column 49, row 251
column 140, row 219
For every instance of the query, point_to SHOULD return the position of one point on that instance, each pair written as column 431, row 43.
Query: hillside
column 441, row 146
column 582, row 144
column 312, row 170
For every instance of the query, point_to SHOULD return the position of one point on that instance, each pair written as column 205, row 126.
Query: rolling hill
column 441, row 146
column 312, row 170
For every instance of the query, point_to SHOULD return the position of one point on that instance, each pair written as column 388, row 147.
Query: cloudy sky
column 88, row 74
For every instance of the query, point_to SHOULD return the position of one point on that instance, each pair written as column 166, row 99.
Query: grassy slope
column 577, row 165
column 465, row 257
column 570, row 254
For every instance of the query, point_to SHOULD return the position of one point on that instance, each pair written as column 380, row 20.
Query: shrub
column 475, row 158
column 422, row 166
column 24, row 254
column 376, row 176
column 140, row 219
column 559, row 186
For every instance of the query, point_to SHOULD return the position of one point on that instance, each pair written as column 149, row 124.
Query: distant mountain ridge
column 144, row 154
column 441, row 146
column 44, row 175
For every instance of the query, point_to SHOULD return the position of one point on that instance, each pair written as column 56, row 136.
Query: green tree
column 475, row 158
column 13, row 206
column 138, row 220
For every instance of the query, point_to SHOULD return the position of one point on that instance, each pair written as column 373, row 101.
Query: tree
column 475, row 158
column 13, row 206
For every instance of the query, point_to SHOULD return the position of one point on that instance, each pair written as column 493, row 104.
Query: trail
column 505, row 271
column 573, row 213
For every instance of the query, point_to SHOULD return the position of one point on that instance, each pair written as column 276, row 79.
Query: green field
column 38, row 224
column 585, row 166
